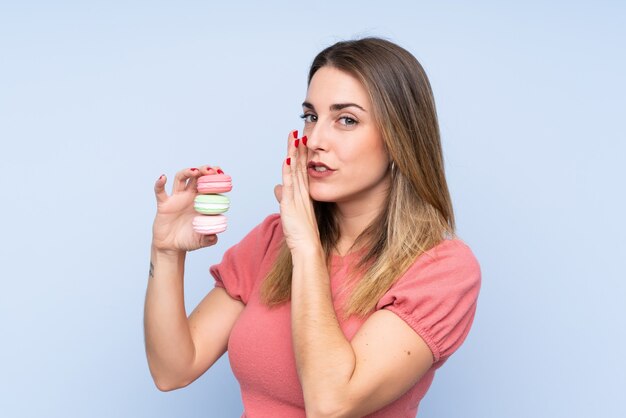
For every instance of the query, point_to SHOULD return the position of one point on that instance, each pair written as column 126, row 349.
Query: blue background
column 98, row 98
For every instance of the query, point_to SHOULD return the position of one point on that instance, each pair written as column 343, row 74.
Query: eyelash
column 305, row 116
column 353, row 121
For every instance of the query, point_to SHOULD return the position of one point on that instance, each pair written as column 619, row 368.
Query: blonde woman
column 345, row 303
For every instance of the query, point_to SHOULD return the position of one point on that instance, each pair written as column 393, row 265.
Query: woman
column 346, row 302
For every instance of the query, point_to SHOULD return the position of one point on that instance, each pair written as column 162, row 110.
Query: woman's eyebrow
column 334, row 107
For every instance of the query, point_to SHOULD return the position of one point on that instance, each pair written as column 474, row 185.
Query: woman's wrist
column 166, row 264
column 307, row 254
column 166, row 254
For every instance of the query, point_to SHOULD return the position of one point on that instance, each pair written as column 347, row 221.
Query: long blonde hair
column 419, row 214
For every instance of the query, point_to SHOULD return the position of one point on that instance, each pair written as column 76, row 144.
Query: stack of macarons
column 211, row 204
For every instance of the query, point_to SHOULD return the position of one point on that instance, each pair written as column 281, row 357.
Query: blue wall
column 97, row 99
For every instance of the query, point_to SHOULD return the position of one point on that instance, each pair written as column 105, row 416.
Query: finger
column 207, row 169
column 302, row 187
column 159, row 189
column 180, row 181
column 203, row 170
column 210, row 169
column 303, row 153
column 192, row 184
column 292, row 140
column 287, row 189
column 292, row 158
column 298, row 171
column 208, row 240
column 278, row 192
column 301, row 169
column 293, row 135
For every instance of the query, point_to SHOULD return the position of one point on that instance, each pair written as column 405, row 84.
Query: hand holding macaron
column 172, row 228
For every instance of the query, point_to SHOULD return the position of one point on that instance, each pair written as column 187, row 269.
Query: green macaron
column 211, row 204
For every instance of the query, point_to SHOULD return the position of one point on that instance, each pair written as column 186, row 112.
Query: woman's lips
column 318, row 170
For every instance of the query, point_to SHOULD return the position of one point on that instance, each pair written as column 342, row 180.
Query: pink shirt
column 436, row 297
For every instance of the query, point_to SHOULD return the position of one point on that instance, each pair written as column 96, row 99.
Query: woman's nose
column 316, row 137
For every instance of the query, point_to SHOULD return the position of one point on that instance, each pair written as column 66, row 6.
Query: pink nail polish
column 304, row 139
column 193, row 169
column 288, row 161
column 296, row 142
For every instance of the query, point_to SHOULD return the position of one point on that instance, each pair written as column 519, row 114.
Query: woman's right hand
column 172, row 230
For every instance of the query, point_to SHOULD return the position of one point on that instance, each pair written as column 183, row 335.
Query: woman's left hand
column 296, row 207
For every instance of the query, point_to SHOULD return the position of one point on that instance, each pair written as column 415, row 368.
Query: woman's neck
column 352, row 220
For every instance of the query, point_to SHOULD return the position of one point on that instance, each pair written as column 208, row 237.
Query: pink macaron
column 215, row 183
column 208, row 225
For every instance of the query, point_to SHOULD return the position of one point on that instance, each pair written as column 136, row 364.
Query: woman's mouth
column 318, row 170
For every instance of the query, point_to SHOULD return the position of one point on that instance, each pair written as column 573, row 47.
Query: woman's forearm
column 169, row 346
column 324, row 357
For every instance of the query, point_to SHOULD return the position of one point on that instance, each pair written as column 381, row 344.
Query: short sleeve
column 246, row 263
column 437, row 296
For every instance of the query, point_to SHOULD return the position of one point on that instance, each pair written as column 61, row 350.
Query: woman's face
column 347, row 161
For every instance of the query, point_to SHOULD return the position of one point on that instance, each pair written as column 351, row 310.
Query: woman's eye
column 348, row 121
column 308, row 117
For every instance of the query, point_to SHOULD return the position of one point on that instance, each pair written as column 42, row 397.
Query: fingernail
column 193, row 169
column 288, row 161
column 219, row 171
column 295, row 133
column 296, row 142
column 161, row 176
column 304, row 140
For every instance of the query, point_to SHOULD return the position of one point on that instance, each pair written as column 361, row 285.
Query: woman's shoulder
column 437, row 295
column 451, row 261
column 452, row 252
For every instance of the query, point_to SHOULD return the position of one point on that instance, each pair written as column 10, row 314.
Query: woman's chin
column 322, row 196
